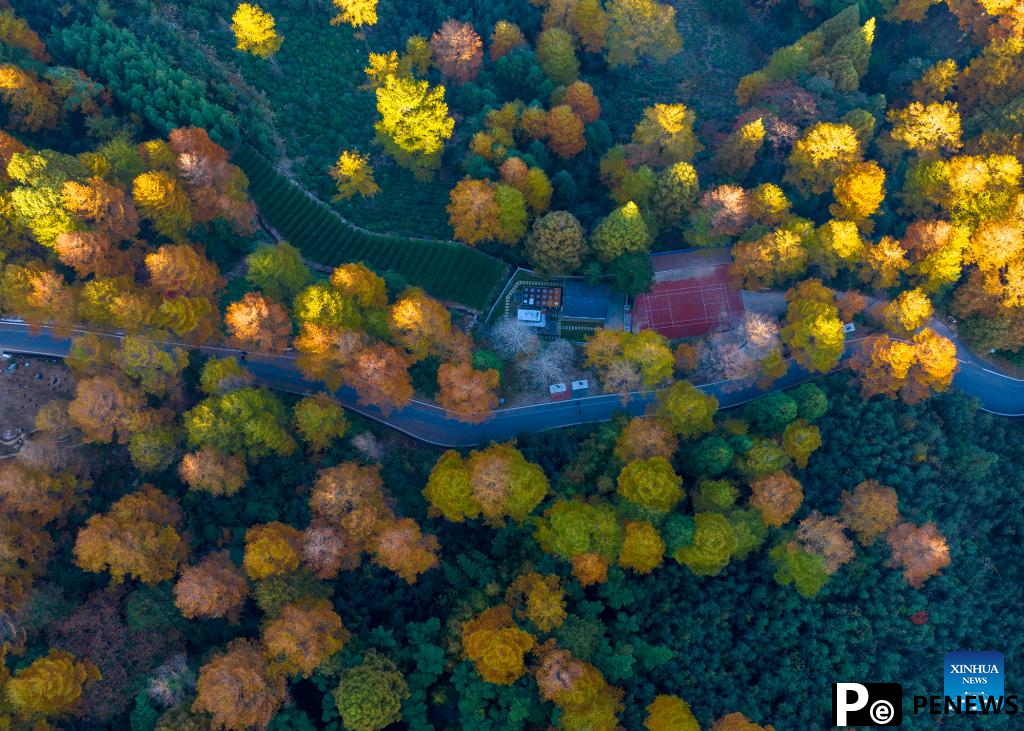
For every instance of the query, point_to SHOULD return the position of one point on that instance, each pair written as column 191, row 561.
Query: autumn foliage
column 271, row 549
column 50, row 686
column 920, row 550
column 911, row 370
column 670, row 713
column 258, row 323
column 777, row 497
column 254, row 31
column 139, row 538
column 351, row 496
column 236, row 687
column 303, row 636
column 215, row 587
column 870, row 510
column 651, row 483
column 496, row 482
column 468, row 393
column 496, row 646
column 579, row 690
column 458, row 51
column 401, row 546
column 538, row 598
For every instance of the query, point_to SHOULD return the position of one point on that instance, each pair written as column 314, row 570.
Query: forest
column 350, row 196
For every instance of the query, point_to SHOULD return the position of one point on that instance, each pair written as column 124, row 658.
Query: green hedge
column 445, row 269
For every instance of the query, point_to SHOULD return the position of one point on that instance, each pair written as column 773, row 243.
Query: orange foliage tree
column 579, row 690
column 31, row 101
column 496, row 646
column 643, row 438
column 303, row 636
column 824, row 536
column 237, row 688
column 89, row 252
column 473, row 211
column 423, row 326
column 538, row 598
column 214, row 472
column 138, row 537
column 379, row 374
column 103, row 206
column 401, row 546
column 259, row 323
column 912, row 370
column 38, row 295
column 870, row 510
column 580, row 97
column 466, row 392
column 214, row 587
column 776, row 497
column 565, row 132
column 737, row 722
column 458, row 51
column 35, row 493
column 271, row 549
column 352, row 496
column 326, row 550
column 177, row 270
column 920, row 550
column 670, row 713
column 215, row 188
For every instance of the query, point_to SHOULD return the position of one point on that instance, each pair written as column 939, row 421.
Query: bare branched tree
column 514, row 340
column 549, row 365
column 621, row 376
column 371, row 447
column 736, row 355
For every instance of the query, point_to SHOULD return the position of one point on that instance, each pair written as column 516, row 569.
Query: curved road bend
column 998, row 393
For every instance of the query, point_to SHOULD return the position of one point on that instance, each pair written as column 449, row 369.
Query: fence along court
column 692, row 295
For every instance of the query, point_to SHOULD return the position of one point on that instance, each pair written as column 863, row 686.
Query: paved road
column 998, row 393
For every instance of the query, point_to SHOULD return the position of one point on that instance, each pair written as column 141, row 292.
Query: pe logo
column 978, row 674
column 867, row 704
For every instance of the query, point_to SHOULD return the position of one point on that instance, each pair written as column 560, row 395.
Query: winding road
column 998, row 393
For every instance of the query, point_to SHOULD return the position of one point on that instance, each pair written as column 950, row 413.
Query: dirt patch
column 25, row 385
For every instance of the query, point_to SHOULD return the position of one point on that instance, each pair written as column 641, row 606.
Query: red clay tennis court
column 692, row 296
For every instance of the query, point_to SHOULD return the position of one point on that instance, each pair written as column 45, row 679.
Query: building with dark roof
column 582, row 301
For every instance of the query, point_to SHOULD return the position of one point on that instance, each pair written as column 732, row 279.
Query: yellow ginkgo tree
column 355, row 12
column 255, row 31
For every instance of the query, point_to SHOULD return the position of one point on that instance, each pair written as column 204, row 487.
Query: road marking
column 1002, row 375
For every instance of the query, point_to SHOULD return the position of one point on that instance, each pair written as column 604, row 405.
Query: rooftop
column 584, row 301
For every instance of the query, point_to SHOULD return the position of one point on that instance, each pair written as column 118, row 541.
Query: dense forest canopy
column 184, row 545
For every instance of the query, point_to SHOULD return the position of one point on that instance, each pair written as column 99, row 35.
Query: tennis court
column 692, row 296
